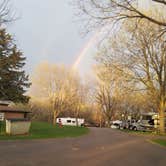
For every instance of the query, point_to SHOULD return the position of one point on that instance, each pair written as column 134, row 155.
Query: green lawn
column 41, row 130
column 138, row 132
column 160, row 141
column 148, row 133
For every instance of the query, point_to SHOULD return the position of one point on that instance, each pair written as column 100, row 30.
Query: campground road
column 101, row 147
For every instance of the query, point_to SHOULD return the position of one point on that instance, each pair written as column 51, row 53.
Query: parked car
column 91, row 124
column 136, row 126
column 116, row 124
column 125, row 125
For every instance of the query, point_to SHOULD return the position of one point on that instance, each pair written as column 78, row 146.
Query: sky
column 47, row 30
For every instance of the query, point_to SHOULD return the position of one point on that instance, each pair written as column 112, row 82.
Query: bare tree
column 61, row 87
column 78, row 98
column 6, row 14
column 145, row 62
column 53, row 83
column 107, row 102
column 107, row 91
column 106, row 11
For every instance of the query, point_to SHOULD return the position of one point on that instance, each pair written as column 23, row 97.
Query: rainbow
column 84, row 51
column 93, row 40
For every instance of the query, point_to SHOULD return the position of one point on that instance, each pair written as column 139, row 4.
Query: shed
column 13, row 113
column 17, row 126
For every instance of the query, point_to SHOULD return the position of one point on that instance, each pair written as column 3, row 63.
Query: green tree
column 13, row 80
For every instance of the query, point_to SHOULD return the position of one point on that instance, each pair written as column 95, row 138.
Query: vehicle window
column 146, row 117
column 115, row 124
column 73, row 121
column 68, row 121
column 151, row 122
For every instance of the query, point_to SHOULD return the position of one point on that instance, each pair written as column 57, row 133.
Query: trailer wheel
column 135, row 128
column 130, row 128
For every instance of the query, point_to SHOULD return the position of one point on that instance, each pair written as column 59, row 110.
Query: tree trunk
column 108, row 122
column 162, row 117
column 100, row 122
column 50, row 117
column 76, row 116
column 77, row 121
column 54, row 118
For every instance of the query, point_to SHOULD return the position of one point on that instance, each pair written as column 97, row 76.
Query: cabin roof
column 10, row 109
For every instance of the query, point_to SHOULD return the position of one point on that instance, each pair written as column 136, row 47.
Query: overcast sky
column 46, row 30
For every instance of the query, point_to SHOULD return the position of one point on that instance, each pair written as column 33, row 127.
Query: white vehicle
column 70, row 121
column 116, row 124
column 137, row 126
column 148, row 121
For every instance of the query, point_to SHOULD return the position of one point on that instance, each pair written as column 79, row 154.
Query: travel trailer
column 70, row 121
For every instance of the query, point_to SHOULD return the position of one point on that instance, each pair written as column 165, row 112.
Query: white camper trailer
column 70, row 121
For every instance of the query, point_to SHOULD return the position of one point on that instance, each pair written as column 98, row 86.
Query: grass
column 43, row 130
column 148, row 133
column 139, row 132
column 160, row 141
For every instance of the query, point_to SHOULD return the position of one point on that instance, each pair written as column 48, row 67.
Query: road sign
column 1, row 116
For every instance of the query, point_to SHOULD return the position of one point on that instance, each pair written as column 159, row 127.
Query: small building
column 13, row 113
column 70, row 121
column 17, row 126
column 17, row 121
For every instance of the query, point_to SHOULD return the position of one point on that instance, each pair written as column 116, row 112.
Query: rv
column 70, row 121
column 147, row 121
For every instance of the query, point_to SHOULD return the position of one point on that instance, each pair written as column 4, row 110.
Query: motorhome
column 70, row 121
column 147, row 121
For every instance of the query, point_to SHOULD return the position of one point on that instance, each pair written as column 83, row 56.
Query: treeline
column 58, row 90
column 134, row 47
